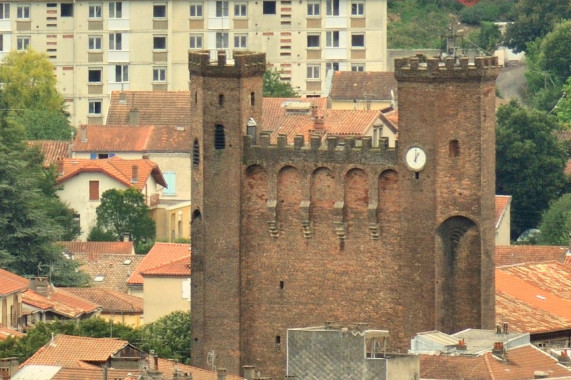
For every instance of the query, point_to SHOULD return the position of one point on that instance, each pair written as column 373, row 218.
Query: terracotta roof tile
column 171, row 108
column 116, row 168
column 364, row 85
column 110, row 301
column 502, row 202
column 112, row 271
column 11, row 283
column 568, row 168
column 275, row 109
column 6, row 332
column 160, row 254
column 94, row 249
column 180, row 267
column 52, row 150
column 518, row 254
column 37, row 301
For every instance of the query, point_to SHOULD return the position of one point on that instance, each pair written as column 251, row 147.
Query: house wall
column 10, row 309
column 359, row 105
column 503, row 231
column 163, row 295
column 172, row 222
column 178, row 163
column 133, row 320
column 124, row 155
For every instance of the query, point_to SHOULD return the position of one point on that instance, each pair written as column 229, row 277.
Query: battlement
column 352, row 151
column 245, row 64
column 422, row 68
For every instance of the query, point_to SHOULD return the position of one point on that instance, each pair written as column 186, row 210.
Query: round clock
column 415, row 158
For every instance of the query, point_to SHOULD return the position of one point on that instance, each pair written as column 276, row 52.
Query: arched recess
column 197, row 234
column 322, row 194
column 289, row 196
column 388, row 198
column 458, row 275
column 256, row 195
column 356, row 199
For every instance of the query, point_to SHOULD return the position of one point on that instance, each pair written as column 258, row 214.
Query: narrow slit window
column 221, row 100
column 252, row 98
column 196, row 153
column 219, row 137
column 453, row 148
column 281, row 284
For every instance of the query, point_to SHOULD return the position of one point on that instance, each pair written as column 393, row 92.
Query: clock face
column 415, row 158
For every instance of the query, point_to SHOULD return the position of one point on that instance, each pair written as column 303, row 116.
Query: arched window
column 252, row 98
column 221, row 100
column 453, row 148
column 219, row 137
column 196, row 153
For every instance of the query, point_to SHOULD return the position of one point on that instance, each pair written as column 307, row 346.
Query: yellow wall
column 133, row 320
column 163, row 295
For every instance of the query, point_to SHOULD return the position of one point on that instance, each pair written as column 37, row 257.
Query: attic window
column 219, row 137
column 127, row 261
column 98, row 278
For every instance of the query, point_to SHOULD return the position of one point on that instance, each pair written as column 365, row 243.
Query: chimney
column 564, row 358
column 134, row 116
column 41, row 285
column 122, row 98
column 135, row 174
column 83, row 131
column 249, row 372
column 498, row 329
column 498, row 350
column 461, row 346
column 506, row 331
column 221, row 373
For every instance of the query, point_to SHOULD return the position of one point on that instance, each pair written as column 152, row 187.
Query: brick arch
column 289, row 195
column 388, row 199
column 356, row 189
column 458, row 273
column 323, row 195
column 256, row 181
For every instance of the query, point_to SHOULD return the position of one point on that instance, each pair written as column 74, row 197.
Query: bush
column 483, row 11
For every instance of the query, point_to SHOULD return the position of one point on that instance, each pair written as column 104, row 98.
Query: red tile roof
column 94, row 249
column 364, row 85
column 568, row 168
column 521, row 364
column 116, row 168
column 60, row 302
column 52, row 150
column 6, row 332
column 112, row 271
column 502, row 202
column 180, row 267
column 124, row 138
column 11, row 283
column 159, row 255
column 170, row 108
column 110, row 301
column 518, row 254
column 275, row 109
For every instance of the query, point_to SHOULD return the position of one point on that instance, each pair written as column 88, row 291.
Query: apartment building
column 99, row 46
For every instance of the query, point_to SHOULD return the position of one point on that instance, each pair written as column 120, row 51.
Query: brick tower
column 299, row 233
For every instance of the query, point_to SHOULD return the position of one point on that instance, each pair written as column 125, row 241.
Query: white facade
column 101, row 46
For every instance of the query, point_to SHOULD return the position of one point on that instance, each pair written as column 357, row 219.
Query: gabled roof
column 117, row 168
column 11, row 283
column 275, row 109
column 171, row 108
column 52, row 150
column 94, row 249
column 109, row 271
column 502, row 202
column 534, row 297
column 363, row 85
column 519, row 254
column 6, row 332
column 109, row 300
column 159, row 255
column 391, row 119
column 177, row 268
column 60, row 302
column 123, row 138
column 521, row 364
column 76, row 351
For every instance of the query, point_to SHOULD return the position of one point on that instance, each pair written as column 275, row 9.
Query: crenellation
column 245, row 64
column 282, row 141
column 419, row 68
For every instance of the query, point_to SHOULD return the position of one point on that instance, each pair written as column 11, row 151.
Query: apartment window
column 332, row 38
column 22, row 42
column 95, row 109
column 159, row 42
column 240, row 9
column 358, row 40
column 23, row 11
column 332, row 7
column 159, row 74
column 332, row 66
column 313, row 8
column 357, row 67
column 93, row 190
column 313, row 41
column 196, row 10
column 94, row 75
column 4, row 11
column 222, row 9
column 115, row 40
column 116, row 9
column 196, row 41
column 357, row 8
column 121, row 73
column 95, row 11
column 221, row 40
column 94, row 42
column 159, row 10
column 269, row 7
column 313, row 71
column 66, row 10
column 240, row 41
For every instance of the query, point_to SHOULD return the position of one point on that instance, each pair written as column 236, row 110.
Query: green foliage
column 563, row 109
column 556, row 222
column 124, row 212
column 30, row 91
column 482, row 11
column 487, row 38
column 534, row 19
column 169, row 336
column 274, row 87
column 529, row 163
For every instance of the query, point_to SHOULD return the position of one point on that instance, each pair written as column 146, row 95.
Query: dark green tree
column 556, row 222
column 274, row 87
column 534, row 19
column 169, row 336
column 124, row 212
column 529, row 163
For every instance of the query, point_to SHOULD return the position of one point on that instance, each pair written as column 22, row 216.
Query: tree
column 124, row 212
column 534, row 19
column 169, row 336
column 563, row 109
column 556, row 222
column 29, row 90
column 529, row 164
column 487, row 38
column 274, row 87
